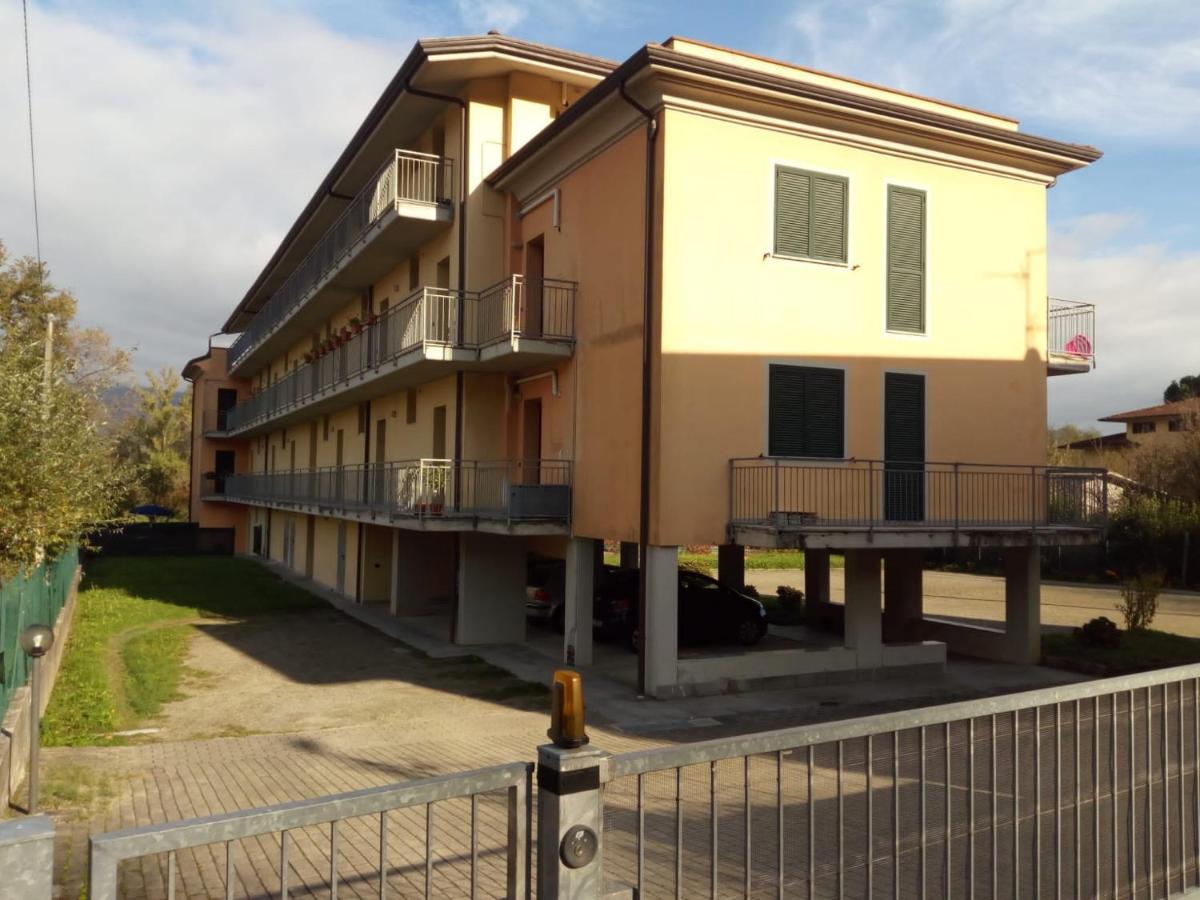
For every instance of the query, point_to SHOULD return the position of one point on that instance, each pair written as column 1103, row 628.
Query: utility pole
column 47, row 365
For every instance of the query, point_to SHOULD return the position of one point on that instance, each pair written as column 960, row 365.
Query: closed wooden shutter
column 906, row 260
column 807, row 411
column 904, row 417
column 810, row 215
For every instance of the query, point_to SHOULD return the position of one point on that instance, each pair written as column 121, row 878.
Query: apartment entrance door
column 222, row 469
column 341, row 558
column 310, row 541
column 904, row 447
column 535, row 273
column 531, row 442
column 380, row 491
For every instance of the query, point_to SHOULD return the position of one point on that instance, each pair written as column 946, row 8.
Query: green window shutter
column 793, row 191
column 906, row 260
column 806, row 411
column 810, row 215
column 904, row 417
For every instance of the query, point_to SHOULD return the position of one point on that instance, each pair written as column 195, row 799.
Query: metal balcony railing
column 407, row 177
column 1071, row 330
column 817, row 494
column 429, row 316
column 537, row 489
column 215, row 421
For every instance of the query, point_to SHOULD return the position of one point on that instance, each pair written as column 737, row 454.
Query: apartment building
column 543, row 300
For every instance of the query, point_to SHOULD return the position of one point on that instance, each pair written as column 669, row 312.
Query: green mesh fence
column 31, row 600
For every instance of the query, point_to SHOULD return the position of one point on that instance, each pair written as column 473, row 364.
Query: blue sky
column 177, row 141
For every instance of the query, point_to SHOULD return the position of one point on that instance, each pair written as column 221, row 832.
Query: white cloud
column 1147, row 318
column 172, row 157
column 1104, row 67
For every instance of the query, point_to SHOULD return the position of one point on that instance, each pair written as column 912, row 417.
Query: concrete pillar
column 864, row 618
column 629, row 555
column 731, row 566
column 816, row 576
column 423, row 573
column 660, row 643
column 577, row 618
column 491, row 589
column 569, row 802
column 27, row 860
column 1023, row 604
column 903, row 586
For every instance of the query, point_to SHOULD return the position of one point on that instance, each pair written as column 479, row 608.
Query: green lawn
column 1137, row 652
column 125, row 655
column 755, row 559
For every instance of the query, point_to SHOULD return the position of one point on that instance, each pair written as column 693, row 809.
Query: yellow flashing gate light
column 566, row 714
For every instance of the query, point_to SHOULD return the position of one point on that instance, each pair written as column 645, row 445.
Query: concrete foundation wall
column 491, row 589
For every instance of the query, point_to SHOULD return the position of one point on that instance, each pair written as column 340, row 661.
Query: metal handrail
column 407, row 176
column 798, row 493
column 427, row 316
column 1071, row 329
column 108, row 850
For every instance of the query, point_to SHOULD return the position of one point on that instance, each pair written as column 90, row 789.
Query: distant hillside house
column 1164, row 421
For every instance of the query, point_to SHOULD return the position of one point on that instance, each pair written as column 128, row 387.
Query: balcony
column 1070, row 337
column 514, row 323
column 401, row 206
column 214, row 423
column 841, row 503
column 526, row 496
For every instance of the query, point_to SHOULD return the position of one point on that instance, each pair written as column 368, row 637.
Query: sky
column 177, row 141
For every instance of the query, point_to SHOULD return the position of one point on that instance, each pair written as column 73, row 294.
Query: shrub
column 1139, row 600
column 1099, row 632
column 692, row 565
column 790, row 598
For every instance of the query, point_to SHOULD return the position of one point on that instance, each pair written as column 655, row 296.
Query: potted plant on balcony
column 308, row 358
column 356, row 325
column 344, row 334
column 372, row 320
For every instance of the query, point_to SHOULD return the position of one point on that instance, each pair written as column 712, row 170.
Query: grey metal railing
column 1088, row 790
column 373, row 810
column 1071, row 330
column 406, row 177
column 427, row 317
column 422, row 489
column 793, row 493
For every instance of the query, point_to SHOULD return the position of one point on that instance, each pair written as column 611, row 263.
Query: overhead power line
column 37, row 227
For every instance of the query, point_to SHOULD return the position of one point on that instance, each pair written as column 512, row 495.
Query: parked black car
column 615, row 594
column 709, row 612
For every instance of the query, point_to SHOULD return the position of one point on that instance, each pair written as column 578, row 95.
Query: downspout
column 647, row 359
column 192, row 452
column 462, row 287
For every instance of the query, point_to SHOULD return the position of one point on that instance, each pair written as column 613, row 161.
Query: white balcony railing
column 1071, row 332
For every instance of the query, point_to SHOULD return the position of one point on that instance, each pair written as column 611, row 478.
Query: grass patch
column 116, row 668
column 74, row 790
column 755, row 559
column 1137, row 652
column 151, row 663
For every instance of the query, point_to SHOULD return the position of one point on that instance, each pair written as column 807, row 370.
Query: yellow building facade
column 544, row 300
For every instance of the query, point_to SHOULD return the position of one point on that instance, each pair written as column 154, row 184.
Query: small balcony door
column 222, row 468
column 531, row 442
column 226, row 400
column 535, row 273
column 904, row 447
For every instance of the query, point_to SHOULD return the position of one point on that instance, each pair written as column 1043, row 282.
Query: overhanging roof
column 473, row 57
column 1178, row 408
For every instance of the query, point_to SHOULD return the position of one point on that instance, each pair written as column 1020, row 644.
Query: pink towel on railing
column 1079, row 346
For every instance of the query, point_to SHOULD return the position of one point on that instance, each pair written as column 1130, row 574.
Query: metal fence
column 1071, row 330
column 422, row 488
column 427, row 317
column 406, row 177
column 382, row 818
column 794, row 493
column 35, row 598
column 1089, row 790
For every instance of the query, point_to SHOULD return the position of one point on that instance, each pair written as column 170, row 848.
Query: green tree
column 56, row 467
column 154, row 444
column 1182, row 389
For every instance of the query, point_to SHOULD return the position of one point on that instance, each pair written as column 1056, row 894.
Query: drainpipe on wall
column 462, row 287
column 647, row 359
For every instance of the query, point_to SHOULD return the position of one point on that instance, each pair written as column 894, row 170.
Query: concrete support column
column 660, row 643
column 491, row 589
column 1023, row 604
column 731, row 566
column 629, row 555
column 569, row 823
column 816, row 576
column 864, row 618
column 903, row 605
column 27, row 860
column 577, row 611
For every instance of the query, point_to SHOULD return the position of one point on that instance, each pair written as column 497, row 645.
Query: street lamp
column 36, row 641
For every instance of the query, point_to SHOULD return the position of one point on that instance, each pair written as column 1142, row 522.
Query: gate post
column 570, row 826
column 27, row 858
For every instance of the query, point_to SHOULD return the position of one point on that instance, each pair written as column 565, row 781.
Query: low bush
column 1099, row 632
column 1139, row 600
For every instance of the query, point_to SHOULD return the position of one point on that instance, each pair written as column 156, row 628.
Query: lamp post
column 36, row 641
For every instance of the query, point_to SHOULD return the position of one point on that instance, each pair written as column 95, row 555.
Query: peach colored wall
column 210, row 377
column 730, row 308
column 600, row 246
